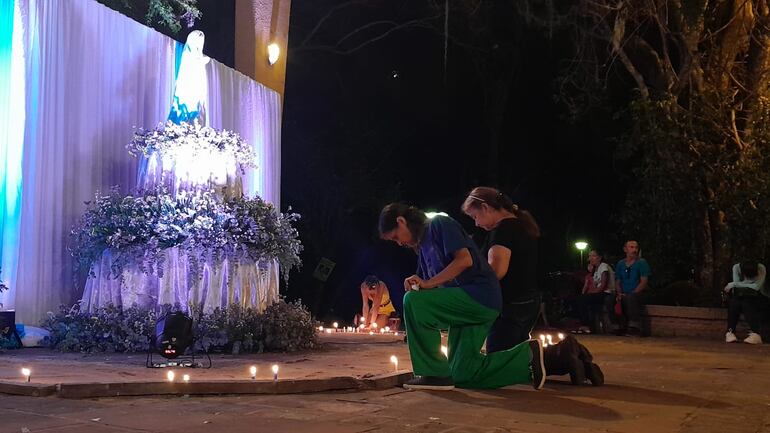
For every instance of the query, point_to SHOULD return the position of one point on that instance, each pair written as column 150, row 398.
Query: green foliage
column 282, row 327
column 288, row 327
column 110, row 329
column 661, row 200
column 686, row 172
column 164, row 14
column 7, row 341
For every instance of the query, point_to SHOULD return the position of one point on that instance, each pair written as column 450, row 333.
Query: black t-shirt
column 520, row 282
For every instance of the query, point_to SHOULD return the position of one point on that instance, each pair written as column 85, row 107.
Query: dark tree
column 697, row 77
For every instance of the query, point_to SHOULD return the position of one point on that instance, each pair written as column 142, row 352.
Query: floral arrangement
column 138, row 228
column 191, row 140
column 3, row 284
column 283, row 327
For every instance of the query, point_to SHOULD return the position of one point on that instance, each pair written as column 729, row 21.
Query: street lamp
column 581, row 245
column 432, row 215
column 273, row 52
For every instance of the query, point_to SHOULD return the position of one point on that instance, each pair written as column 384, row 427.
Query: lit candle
column 328, row 331
column 396, row 333
column 387, row 329
column 186, row 377
column 275, row 372
column 382, row 330
column 374, row 325
column 27, row 373
column 542, row 338
column 394, row 360
column 445, row 351
column 336, row 325
column 170, row 376
column 371, row 333
column 253, row 371
column 321, row 328
column 561, row 336
column 550, row 339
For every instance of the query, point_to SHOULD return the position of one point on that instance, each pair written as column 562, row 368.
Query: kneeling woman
column 453, row 289
column 381, row 310
column 511, row 250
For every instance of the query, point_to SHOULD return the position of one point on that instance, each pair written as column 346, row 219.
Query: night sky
column 390, row 121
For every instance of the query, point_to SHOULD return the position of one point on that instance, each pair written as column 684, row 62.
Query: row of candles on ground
column 355, row 330
column 546, row 339
column 171, row 376
column 252, row 372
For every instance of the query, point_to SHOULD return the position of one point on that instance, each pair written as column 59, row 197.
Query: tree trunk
column 704, row 249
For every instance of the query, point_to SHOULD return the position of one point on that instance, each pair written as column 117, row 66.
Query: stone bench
column 711, row 323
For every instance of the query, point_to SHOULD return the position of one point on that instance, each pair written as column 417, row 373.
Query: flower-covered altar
column 176, row 156
column 187, row 235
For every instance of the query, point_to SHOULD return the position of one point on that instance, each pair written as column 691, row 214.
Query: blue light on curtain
column 12, row 110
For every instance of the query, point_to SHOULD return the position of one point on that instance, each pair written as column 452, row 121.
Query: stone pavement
column 653, row 385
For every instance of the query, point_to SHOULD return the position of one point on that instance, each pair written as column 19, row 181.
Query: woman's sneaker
column 753, row 338
column 537, row 365
column 434, row 383
column 730, row 337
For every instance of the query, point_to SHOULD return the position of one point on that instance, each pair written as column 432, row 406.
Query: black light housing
column 173, row 334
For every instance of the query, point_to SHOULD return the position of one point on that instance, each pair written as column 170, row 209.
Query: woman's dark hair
column 749, row 270
column 495, row 199
column 415, row 219
column 371, row 280
column 600, row 254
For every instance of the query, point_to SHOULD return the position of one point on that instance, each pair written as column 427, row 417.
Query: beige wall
column 257, row 24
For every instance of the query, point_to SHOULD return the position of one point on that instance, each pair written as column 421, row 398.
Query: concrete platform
column 365, row 364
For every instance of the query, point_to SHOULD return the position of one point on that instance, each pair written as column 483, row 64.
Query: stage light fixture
column 173, row 335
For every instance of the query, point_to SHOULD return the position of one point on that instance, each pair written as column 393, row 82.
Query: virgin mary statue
column 191, row 88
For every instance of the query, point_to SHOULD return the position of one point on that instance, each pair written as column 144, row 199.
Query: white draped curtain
column 92, row 75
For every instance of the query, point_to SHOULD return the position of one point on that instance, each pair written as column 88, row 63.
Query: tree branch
column 617, row 36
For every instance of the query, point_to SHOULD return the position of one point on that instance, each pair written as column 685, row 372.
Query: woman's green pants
column 428, row 311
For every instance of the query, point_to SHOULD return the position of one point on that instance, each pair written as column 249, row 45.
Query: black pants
column 513, row 325
column 590, row 304
column 632, row 309
column 752, row 308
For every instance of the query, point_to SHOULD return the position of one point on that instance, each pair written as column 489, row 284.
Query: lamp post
column 581, row 245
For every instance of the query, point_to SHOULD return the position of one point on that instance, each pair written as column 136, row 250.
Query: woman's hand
column 728, row 288
column 415, row 279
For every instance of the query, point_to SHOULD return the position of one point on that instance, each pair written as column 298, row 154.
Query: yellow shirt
column 386, row 307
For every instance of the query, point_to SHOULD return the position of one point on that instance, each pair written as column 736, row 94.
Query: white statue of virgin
column 191, row 89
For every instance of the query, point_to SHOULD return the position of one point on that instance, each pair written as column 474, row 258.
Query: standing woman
column 511, row 250
column 454, row 289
